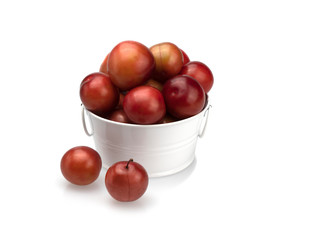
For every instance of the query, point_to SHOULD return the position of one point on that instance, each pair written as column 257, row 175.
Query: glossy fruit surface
column 103, row 66
column 119, row 116
column 130, row 64
column 120, row 103
column 81, row 165
column 185, row 57
column 169, row 61
column 155, row 84
column 168, row 119
column 144, row 105
column 200, row 72
column 98, row 94
column 184, row 96
column 126, row 181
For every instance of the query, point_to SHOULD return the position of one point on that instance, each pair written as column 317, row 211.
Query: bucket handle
column 84, row 123
column 204, row 125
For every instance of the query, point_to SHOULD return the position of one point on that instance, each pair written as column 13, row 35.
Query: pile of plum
column 141, row 85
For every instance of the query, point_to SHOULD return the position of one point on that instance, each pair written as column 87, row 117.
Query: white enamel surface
column 162, row 149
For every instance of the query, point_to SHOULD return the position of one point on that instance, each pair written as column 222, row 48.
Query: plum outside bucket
column 162, row 149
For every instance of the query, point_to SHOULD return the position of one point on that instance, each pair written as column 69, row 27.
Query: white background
column 257, row 170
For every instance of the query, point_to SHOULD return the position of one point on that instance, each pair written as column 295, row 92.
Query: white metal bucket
column 162, row 149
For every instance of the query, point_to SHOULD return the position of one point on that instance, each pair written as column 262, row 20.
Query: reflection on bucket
column 162, row 149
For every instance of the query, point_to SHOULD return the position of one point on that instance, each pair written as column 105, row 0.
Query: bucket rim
column 155, row 125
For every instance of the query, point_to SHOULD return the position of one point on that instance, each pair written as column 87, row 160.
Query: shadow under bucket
column 162, row 149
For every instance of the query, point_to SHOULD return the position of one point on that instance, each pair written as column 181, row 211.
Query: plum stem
column 131, row 160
